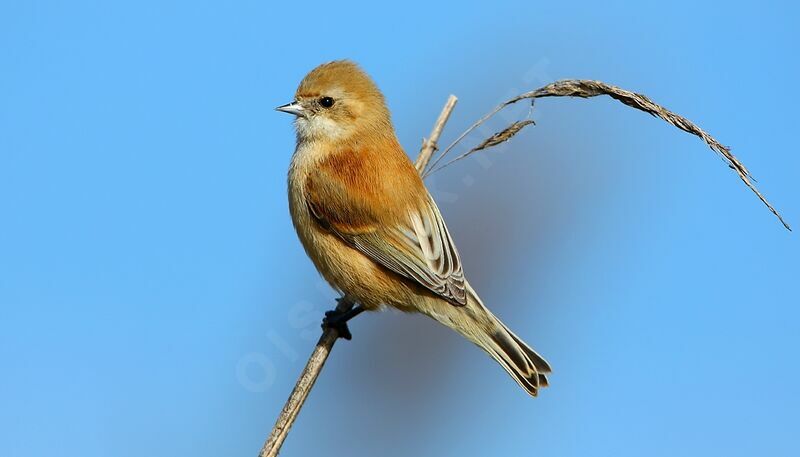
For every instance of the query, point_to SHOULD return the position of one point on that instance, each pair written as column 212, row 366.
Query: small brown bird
column 369, row 224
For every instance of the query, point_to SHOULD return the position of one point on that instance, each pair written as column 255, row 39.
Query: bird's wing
column 412, row 241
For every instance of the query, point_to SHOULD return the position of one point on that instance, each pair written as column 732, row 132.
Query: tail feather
column 520, row 361
column 528, row 368
column 538, row 361
column 475, row 322
column 543, row 381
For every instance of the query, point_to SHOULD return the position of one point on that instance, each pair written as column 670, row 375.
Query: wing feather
column 417, row 246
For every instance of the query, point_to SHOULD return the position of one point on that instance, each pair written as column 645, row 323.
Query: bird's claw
column 337, row 320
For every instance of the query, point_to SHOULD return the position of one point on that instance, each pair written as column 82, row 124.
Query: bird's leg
column 336, row 319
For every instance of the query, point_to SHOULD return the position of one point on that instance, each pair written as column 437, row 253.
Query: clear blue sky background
column 154, row 299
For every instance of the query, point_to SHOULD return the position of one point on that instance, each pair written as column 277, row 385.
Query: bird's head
column 335, row 101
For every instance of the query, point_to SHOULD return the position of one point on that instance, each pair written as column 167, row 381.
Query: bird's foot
column 337, row 320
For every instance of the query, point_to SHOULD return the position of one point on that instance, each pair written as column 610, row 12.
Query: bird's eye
column 326, row 102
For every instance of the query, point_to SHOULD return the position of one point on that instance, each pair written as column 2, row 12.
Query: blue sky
column 154, row 299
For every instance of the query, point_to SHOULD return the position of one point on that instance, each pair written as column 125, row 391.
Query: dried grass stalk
column 309, row 375
column 494, row 140
column 589, row 88
column 431, row 144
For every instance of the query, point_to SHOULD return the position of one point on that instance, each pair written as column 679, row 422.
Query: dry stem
column 429, row 146
column 499, row 137
column 303, row 387
column 589, row 88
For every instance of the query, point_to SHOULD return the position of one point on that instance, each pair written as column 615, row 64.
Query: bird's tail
column 479, row 325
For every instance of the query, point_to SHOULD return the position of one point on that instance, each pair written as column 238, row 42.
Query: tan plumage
column 369, row 224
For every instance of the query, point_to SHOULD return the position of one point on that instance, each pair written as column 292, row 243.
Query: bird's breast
column 304, row 224
column 328, row 252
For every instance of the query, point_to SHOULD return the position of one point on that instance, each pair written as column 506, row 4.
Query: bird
column 370, row 226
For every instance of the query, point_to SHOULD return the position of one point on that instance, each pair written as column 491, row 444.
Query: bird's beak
column 292, row 108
